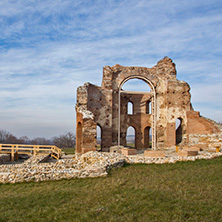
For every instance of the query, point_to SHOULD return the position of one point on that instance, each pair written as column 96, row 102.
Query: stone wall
column 206, row 141
column 91, row 164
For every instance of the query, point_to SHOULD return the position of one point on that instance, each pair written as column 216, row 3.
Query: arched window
column 130, row 137
column 130, row 108
column 178, row 131
column 79, row 139
column 148, row 107
column 148, row 137
column 98, row 137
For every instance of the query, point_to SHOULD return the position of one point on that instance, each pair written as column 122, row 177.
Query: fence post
column 12, row 154
column 16, row 152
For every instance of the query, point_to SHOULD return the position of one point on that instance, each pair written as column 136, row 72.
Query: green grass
column 68, row 150
column 98, row 147
column 184, row 191
column 131, row 145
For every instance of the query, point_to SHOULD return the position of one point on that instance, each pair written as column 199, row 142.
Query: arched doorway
column 148, row 137
column 98, row 137
column 131, row 137
column 79, row 138
column 178, row 130
column 152, row 94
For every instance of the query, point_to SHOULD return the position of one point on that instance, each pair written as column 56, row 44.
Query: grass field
column 68, row 150
column 184, row 191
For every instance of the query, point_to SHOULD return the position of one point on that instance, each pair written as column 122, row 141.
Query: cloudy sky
column 49, row 48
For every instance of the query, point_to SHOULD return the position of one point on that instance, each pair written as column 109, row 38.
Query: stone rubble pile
column 90, row 164
column 36, row 159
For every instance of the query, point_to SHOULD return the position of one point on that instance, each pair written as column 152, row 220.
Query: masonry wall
column 100, row 106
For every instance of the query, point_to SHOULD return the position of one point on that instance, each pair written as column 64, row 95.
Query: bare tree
column 6, row 137
column 40, row 141
column 24, row 140
column 65, row 141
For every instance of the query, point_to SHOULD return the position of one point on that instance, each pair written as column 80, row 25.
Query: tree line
column 66, row 140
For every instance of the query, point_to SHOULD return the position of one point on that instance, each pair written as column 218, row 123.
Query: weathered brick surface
column 192, row 148
column 186, row 153
column 128, row 152
column 85, row 150
column 154, row 153
column 100, row 106
column 199, row 125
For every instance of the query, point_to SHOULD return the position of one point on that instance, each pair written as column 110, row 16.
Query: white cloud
column 50, row 48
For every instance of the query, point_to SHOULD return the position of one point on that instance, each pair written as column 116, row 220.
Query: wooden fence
column 16, row 149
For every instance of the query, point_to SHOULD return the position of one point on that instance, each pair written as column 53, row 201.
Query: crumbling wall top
column 165, row 69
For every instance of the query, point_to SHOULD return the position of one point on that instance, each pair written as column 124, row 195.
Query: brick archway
column 153, row 92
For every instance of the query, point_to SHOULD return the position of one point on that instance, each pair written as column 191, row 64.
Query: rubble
column 90, row 164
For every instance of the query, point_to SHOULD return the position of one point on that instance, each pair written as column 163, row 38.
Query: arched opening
column 148, row 107
column 131, row 137
column 178, row 130
column 79, row 138
column 130, row 108
column 136, row 86
column 98, row 137
column 148, row 137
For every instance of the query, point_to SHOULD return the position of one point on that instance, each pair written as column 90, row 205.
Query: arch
column 79, row 138
column 131, row 137
column 130, row 108
column 148, row 137
column 136, row 85
column 148, row 107
column 99, row 137
column 153, row 91
column 178, row 130
column 146, row 80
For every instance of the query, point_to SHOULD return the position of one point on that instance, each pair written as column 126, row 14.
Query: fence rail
column 15, row 149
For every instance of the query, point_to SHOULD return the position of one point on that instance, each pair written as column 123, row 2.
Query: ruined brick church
column 154, row 111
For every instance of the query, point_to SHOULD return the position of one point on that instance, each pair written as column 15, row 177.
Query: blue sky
column 49, row 48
